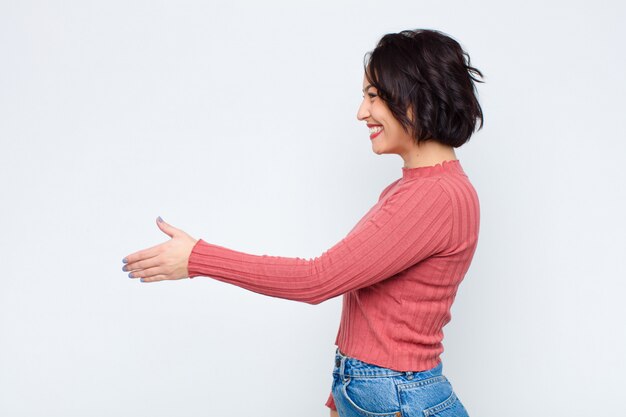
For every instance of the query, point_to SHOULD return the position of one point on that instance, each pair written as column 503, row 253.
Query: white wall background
column 236, row 122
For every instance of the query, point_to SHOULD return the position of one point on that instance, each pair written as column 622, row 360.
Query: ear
column 409, row 112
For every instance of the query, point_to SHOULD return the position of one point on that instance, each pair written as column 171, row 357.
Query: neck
column 427, row 154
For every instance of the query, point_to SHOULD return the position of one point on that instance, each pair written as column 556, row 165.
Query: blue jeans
column 361, row 389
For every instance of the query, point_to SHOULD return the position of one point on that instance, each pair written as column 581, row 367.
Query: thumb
column 166, row 228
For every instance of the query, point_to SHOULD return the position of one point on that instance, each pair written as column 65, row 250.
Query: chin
column 378, row 150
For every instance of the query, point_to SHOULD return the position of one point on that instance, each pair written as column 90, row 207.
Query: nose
column 363, row 112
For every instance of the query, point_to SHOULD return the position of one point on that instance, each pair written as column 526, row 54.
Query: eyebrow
column 366, row 87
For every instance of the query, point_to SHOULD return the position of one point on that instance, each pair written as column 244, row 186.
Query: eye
column 372, row 95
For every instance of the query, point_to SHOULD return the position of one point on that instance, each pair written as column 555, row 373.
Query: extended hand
column 165, row 261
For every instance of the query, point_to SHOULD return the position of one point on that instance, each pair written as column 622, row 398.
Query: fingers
column 140, row 265
column 166, row 227
column 143, row 254
column 154, row 278
column 149, row 274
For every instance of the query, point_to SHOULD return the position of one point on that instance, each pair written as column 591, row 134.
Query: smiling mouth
column 375, row 131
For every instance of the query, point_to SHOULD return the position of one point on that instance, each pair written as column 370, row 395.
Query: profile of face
column 386, row 132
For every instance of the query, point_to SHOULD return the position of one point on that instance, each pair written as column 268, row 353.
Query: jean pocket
column 450, row 407
column 426, row 397
column 371, row 396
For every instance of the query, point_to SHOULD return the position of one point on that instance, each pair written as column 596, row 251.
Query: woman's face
column 386, row 132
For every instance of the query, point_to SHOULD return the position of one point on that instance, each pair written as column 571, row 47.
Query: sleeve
column 330, row 403
column 409, row 226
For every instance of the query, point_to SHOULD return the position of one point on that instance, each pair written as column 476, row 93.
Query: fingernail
column 124, row 268
column 130, row 275
column 125, row 260
column 160, row 219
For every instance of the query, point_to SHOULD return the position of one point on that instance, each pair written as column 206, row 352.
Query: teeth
column 375, row 129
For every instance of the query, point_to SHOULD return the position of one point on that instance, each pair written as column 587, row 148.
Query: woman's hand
column 165, row 261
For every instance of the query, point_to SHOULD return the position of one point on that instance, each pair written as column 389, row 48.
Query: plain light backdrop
column 236, row 122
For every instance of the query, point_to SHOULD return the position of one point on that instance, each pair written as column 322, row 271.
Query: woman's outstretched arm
column 412, row 224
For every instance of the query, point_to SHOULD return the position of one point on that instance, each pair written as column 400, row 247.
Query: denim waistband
column 348, row 366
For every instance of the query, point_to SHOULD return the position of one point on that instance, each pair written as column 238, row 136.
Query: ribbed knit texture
column 398, row 269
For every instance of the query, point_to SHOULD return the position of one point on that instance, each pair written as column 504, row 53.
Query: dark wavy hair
column 426, row 80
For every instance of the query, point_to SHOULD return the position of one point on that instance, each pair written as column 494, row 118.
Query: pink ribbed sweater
column 398, row 269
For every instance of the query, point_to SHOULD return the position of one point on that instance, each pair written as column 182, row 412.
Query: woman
column 399, row 268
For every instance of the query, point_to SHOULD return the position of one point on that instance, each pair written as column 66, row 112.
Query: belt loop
column 342, row 367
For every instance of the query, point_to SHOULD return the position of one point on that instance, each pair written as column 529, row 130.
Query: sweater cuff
column 204, row 258
column 330, row 403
